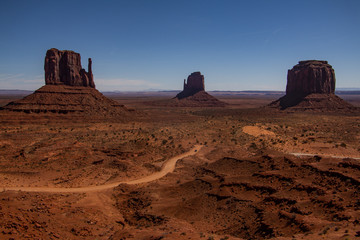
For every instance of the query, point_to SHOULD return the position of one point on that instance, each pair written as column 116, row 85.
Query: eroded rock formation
column 311, row 87
column 64, row 68
column 194, row 94
column 68, row 89
column 311, row 76
column 194, row 84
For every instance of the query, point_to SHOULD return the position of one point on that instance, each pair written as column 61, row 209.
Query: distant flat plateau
column 262, row 97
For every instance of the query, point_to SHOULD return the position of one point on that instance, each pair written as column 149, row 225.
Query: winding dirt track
column 168, row 166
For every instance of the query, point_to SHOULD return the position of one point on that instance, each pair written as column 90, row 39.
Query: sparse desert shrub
column 343, row 145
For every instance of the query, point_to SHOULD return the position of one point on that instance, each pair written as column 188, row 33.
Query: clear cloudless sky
column 155, row 44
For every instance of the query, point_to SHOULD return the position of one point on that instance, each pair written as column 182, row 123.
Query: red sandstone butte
column 68, row 89
column 64, row 68
column 194, row 94
column 194, row 84
column 311, row 87
column 311, row 76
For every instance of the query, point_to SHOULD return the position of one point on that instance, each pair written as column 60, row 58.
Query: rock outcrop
column 64, row 68
column 194, row 84
column 67, row 99
column 311, row 77
column 311, row 87
column 194, row 94
column 68, row 89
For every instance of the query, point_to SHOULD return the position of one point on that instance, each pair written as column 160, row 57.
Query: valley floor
column 241, row 182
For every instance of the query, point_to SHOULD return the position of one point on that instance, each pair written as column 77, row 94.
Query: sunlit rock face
column 68, row 89
column 64, row 68
column 311, row 76
column 311, row 87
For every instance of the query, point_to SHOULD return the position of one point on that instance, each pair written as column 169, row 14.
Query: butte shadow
column 68, row 89
column 311, row 87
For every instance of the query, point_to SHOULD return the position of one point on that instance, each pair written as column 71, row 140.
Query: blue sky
column 155, row 44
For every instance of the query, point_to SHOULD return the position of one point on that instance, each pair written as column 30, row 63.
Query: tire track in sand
column 168, row 166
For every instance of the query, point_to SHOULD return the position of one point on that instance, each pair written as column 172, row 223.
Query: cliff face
column 64, row 68
column 195, row 82
column 311, row 87
column 68, row 89
column 309, row 77
column 194, row 94
column 193, row 85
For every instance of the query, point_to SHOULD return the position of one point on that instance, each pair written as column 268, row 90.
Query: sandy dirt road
column 168, row 166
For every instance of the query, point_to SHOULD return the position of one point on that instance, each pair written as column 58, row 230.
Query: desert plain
column 241, row 171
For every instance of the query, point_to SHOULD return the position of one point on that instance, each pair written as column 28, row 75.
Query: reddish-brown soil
column 199, row 99
column 68, row 99
column 244, row 183
column 313, row 102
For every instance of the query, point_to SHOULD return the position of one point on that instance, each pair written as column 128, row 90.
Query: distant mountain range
column 340, row 91
column 15, row 92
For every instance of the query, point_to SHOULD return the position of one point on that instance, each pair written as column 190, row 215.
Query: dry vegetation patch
column 243, row 184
